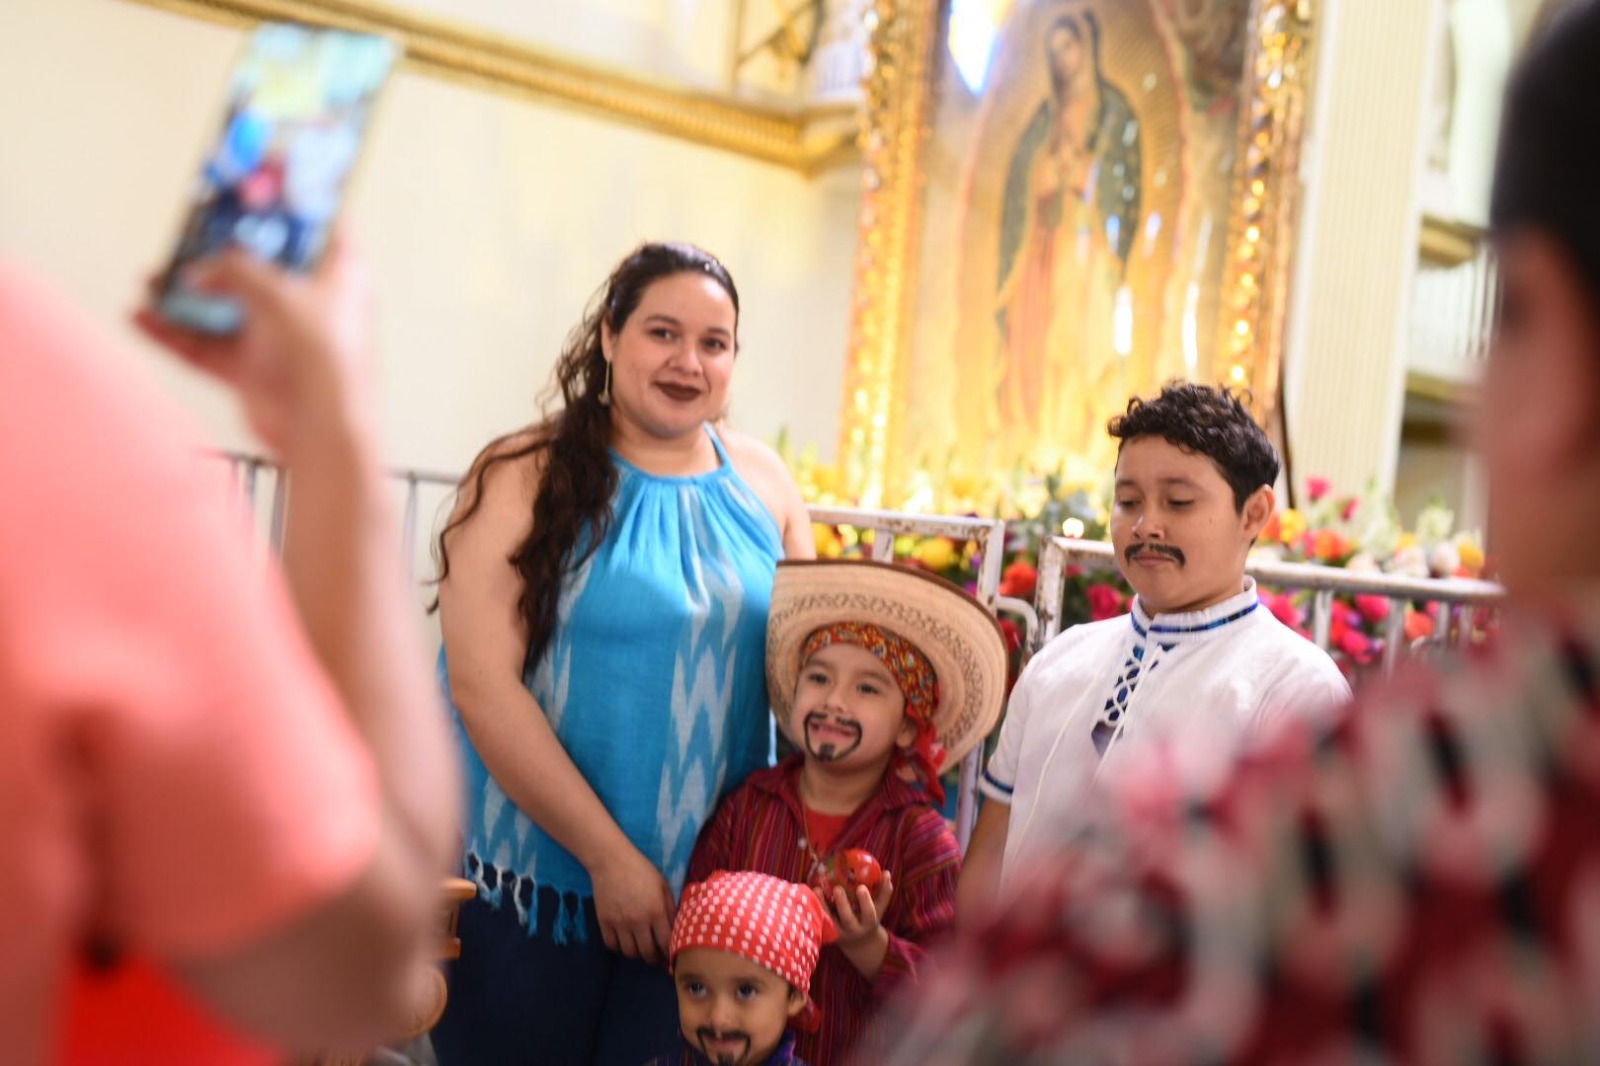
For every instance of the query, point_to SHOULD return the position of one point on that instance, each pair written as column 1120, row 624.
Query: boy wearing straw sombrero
column 880, row 676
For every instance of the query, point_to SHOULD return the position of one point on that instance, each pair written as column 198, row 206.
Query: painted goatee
column 705, row 1034
column 830, row 750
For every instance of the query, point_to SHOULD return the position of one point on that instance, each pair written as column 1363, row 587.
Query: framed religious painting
column 1067, row 203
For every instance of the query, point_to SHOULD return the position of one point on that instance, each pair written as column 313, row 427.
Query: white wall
column 1345, row 356
column 488, row 220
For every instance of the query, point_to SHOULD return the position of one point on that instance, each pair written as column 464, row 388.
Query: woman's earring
column 605, row 393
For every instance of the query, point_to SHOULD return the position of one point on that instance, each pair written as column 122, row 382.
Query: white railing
column 258, row 478
column 1458, row 598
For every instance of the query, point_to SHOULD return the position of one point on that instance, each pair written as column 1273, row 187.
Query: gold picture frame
column 881, row 445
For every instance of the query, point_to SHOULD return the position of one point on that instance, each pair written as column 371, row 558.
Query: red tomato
column 853, row 867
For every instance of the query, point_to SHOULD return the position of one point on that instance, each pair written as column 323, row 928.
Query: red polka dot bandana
column 914, row 674
column 774, row 923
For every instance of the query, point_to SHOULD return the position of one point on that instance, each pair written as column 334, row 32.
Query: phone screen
column 299, row 101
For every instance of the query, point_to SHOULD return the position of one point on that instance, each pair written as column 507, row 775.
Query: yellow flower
column 964, row 488
column 936, row 553
column 1291, row 526
column 829, row 546
column 1405, row 541
column 826, row 480
column 1471, row 554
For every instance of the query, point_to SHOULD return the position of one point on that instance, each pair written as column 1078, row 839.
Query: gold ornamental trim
column 478, row 57
column 895, row 126
column 1462, row 395
column 1274, row 92
column 1448, row 242
column 1266, row 200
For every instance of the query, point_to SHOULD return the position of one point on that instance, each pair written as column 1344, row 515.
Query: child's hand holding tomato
column 856, row 892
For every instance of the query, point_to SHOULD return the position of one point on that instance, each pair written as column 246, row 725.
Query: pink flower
column 1357, row 645
column 1373, row 608
column 1317, row 488
column 1349, row 510
column 1104, row 602
column 1284, row 609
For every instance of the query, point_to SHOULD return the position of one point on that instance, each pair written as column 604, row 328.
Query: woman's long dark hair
column 579, row 476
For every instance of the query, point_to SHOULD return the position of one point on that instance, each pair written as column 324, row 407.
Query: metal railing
column 1458, row 598
column 256, row 476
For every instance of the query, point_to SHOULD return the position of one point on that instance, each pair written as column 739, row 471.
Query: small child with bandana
column 880, row 676
column 743, row 948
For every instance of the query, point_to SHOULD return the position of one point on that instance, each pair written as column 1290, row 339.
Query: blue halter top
column 654, row 681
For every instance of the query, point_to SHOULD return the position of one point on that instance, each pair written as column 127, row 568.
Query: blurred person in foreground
column 225, row 794
column 1419, row 883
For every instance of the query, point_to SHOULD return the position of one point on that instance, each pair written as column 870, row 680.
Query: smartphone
column 299, row 102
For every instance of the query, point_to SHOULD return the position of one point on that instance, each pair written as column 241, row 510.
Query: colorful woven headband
column 911, row 671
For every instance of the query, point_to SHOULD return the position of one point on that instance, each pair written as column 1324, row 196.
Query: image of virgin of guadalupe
column 1070, row 212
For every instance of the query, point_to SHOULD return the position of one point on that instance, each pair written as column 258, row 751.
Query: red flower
column 1019, row 580
column 1104, row 602
column 1418, row 626
column 1317, row 488
column 1373, row 608
column 1349, row 510
column 1012, row 633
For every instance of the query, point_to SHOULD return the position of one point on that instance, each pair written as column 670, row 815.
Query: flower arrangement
column 1344, row 531
column 1036, row 504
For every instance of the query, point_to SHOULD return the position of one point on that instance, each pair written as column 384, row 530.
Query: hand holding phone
column 300, row 360
column 299, row 103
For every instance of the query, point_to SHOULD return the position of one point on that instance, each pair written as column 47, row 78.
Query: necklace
column 818, row 867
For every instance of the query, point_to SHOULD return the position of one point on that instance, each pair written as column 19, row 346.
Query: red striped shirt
column 761, row 826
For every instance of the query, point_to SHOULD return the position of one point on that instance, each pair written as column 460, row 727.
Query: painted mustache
column 705, row 1034
column 1166, row 551
column 829, row 750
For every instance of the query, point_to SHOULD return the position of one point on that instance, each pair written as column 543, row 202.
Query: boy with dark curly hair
column 1196, row 665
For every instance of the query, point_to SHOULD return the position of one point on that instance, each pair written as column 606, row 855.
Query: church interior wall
column 487, row 220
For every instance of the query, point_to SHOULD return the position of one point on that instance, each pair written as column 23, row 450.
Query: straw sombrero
column 961, row 639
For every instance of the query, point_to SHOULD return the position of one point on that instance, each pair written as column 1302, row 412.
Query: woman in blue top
column 603, row 598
